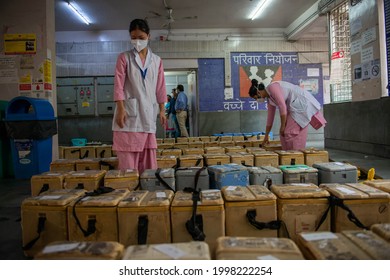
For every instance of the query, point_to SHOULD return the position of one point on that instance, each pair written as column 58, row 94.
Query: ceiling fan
column 169, row 17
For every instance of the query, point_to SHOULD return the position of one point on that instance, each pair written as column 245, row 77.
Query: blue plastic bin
column 30, row 125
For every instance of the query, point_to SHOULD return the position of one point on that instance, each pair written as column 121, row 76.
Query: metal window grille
column 340, row 41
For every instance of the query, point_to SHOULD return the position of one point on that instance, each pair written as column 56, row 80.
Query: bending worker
column 297, row 107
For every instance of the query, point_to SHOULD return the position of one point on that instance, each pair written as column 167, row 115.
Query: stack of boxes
column 209, row 199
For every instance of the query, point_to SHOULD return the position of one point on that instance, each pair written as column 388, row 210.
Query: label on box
column 318, row 236
column 50, row 197
column 267, row 257
column 170, row 250
column 61, row 248
column 345, row 190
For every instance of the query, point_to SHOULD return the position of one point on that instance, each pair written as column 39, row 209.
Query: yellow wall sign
column 20, row 43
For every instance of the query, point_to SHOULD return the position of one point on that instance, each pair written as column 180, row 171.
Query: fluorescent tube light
column 80, row 15
column 259, row 9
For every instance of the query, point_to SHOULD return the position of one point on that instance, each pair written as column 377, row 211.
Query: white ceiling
column 211, row 14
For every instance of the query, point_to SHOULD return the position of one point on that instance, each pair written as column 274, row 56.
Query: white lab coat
column 140, row 94
column 301, row 104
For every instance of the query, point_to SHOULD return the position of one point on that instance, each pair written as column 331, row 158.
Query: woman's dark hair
column 140, row 24
column 255, row 87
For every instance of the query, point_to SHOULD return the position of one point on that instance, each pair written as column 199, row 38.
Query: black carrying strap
column 194, row 225
column 40, row 228
column 85, row 154
column 105, row 163
column 91, row 227
column 44, row 188
column 165, row 184
column 102, row 152
column 335, row 201
column 251, row 217
column 143, row 223
column 267, row 183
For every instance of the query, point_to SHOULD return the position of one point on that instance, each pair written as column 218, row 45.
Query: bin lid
column 23, row 108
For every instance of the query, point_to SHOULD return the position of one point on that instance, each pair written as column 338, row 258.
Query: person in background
column 140, row 95
column 173, row 113
column 181, row 108
column 297, row 108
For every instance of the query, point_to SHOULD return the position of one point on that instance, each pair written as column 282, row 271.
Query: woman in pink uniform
column 139, row 94
column 297, row 108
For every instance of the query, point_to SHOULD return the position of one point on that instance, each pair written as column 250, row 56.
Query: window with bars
column 340, row 41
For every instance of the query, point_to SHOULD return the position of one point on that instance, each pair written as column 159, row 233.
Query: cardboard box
column 383, row 230
column 313, row 155
column 214, row 150
column 87, row 179
column 193, row 250
column 47, row 181
column 243, row 158
column 166, row 161
column 290, row 157
column 87, row 164
column 44, row 218
column 301, row 208
column 172, row 152
column 193, row 151
column 103, row 151
column 257, row 248
column 216, row 159
column 250, row 211
column 63, row 165
column 210, row 216
column 97, row 216
column 110, row 163
column 368, row 205
column 326, row 245
column 190, row 161
column 144, row 218
column 79, row 152
column 369, row 242
column 122, row 179
column 76, row 250
column 266, row 158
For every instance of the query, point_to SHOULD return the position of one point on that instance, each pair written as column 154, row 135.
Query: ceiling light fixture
column 80, row 15
column 259, row 9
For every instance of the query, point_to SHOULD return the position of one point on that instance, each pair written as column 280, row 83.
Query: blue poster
column 264, row 67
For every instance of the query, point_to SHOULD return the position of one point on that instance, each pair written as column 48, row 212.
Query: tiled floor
column 12, row 193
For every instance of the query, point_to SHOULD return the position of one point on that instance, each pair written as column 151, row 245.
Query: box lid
column 207, row 197
column 265, row 154
column 163, row 172
column 85, row 174
column 261, row 245
column 369, row 242
column 299, row 191
column 193, row 250
column 73, row 250
column 298, row 168
column 103, row 200
column 54, row 198
column 314, row 151
column 264, row 170
column 127, row 173
column 354, row 191
column 216, row 156
column 50, row 175
column 383, row 185
column 191, row 171
column 250, row 193
column 147, row 198
column 229, row 167
column 334, row 166
column 289, row 153
column 63, row 161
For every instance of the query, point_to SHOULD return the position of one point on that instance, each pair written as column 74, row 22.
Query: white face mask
column 139, row 45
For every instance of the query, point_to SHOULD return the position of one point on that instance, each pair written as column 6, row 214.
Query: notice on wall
column 356, row 46
column 367, row 54
column 8, row 70
column 313, row 72
column 369, row 36
column 20, row 43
